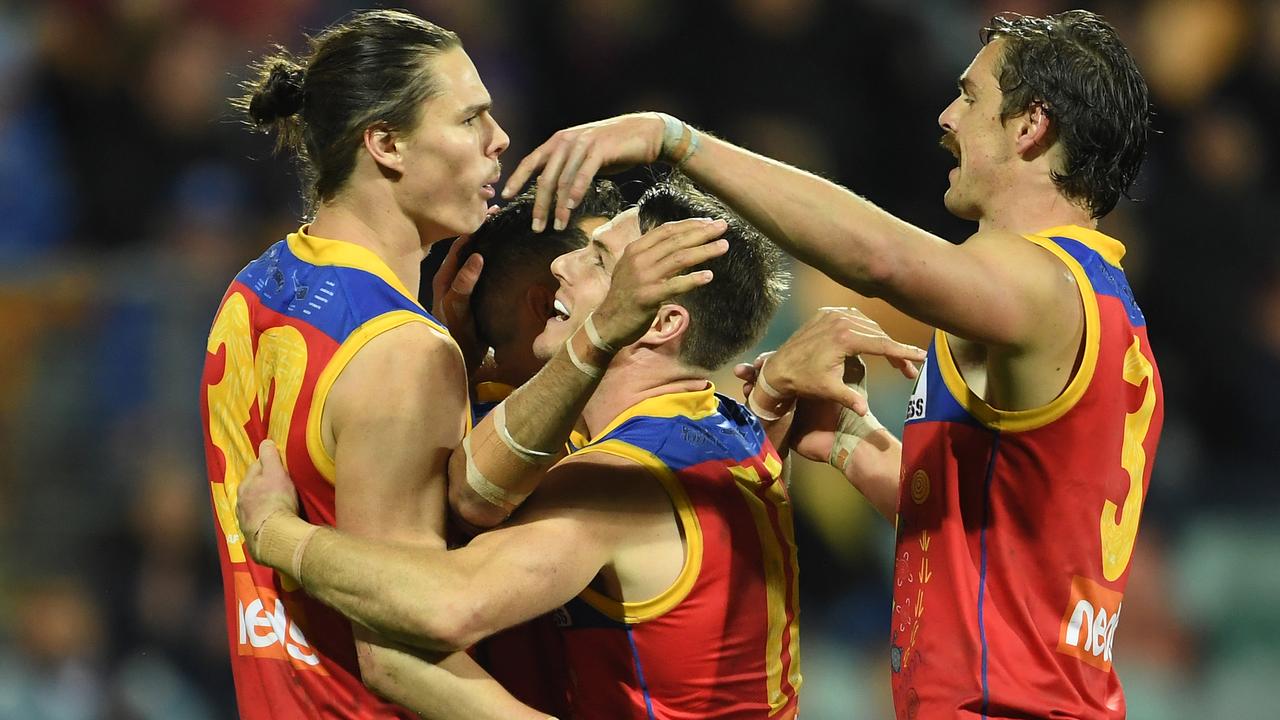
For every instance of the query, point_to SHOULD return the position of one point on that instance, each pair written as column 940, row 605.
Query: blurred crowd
column 130, row 194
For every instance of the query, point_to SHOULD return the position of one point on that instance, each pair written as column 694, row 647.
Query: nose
column 500, row 141
column 946, row 119
column 561, row 264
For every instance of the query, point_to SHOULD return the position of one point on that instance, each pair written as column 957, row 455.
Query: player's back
column 723, row 640
column 1015, row 529
column 287, row 326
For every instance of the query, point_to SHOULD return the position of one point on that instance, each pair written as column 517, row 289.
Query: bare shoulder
column 406, row 368
column 596, row 482
column 1033, row 276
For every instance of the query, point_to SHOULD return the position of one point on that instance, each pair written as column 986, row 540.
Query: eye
column 599, row 262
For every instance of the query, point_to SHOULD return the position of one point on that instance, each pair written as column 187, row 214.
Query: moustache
column 948, row 143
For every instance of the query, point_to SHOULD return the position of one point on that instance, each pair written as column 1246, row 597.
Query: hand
column 572, row 157
column 451, row 289
column 265, row 491
column 647, row 275
column 821, row 359
column 812, row 428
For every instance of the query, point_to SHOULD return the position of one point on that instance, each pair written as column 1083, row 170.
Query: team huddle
column 524, row 498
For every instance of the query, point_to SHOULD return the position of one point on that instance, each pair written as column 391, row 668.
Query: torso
column 645, row 641
column 1015, row 527
column 287, row 326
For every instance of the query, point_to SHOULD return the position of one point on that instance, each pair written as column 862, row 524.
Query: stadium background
column 129, row 195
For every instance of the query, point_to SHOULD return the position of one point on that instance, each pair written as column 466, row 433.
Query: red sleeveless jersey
column 1015, row 529
column 287, row 326
column 723, row 640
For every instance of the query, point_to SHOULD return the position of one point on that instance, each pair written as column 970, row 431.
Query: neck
column 636, row 375
column 377, row 225
column 1036, row 205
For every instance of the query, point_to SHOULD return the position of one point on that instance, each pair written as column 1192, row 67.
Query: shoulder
column 409, row 365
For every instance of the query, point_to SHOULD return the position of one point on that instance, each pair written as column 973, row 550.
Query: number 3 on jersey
column 1118, row 538
column 247, row 383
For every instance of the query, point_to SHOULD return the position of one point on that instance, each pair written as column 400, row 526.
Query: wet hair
column 1074, row 66
column 513, row 252
column 373, row 68
column 730, row 313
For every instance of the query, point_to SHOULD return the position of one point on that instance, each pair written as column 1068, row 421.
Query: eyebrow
column 470, row 110
column 965, row 84
column 601, row 247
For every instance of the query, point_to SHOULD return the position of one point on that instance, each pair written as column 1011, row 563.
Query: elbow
column 473, row 513
column 449, row 626
column 376, row 672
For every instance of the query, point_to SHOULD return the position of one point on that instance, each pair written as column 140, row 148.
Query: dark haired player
column 1029, row 444
column 665, row 539
column 321, row 346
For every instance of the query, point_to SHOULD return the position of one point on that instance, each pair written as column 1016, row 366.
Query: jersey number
column 1118, row 538
column 247, row 383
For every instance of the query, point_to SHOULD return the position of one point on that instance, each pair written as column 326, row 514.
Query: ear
column 380, row 142
column 668, row 326
column 536, row 307
column 1034, row 128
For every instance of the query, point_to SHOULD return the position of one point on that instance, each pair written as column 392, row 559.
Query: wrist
column 278, row 539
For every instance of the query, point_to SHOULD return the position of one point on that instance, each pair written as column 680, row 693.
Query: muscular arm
column 443, row 600
column 392, row 417
column 993, row 289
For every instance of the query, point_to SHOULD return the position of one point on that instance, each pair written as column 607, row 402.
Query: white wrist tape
column 529, row 455
column 585, row 367
column 851, row 429
column 476, row 480
column 679, row 140
column 763, row 387
column 594, row 335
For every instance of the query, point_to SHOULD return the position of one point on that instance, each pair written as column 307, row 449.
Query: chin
column 960, row 207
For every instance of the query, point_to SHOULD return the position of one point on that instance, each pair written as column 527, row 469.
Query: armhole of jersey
column 350, row 346
column 1024, row 420
column 632, row 613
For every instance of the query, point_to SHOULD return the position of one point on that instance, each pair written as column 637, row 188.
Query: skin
column 395, row 417
column 1012, row 310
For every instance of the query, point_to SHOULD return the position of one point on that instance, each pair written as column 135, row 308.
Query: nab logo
column 1088, row 628
column 265, row 631
column 916, row 405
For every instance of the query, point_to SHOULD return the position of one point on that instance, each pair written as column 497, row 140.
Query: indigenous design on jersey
column 723, row 640
column 1015, row 529
column 287, row 326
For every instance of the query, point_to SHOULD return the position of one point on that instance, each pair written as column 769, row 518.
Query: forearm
column 438, row 688
column 537, row 417
column 874, row 468
column 410, row 595
column 843, row 235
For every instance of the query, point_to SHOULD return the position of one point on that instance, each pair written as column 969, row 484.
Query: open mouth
column 559, row 311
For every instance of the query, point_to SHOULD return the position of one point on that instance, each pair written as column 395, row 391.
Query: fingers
column 906, row 367
column 465, row 281
column 525, row 170
column 582, row 177
column 745, row 372
column 692, row 257
column 546, row 187
column 680, row 234
column 567, row 178
column 850, row 398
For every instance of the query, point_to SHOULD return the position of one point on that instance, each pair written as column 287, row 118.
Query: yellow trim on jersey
column 1024, row 420
column 323, row 251
column 775, row 564
column 694, row 405
column 657, row 606
column 358, row 338
column 493, row 391
column 1109, row 248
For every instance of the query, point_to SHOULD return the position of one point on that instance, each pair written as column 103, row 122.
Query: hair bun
column 280, row 96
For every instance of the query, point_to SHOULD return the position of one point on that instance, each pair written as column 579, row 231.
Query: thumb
column 269, row 456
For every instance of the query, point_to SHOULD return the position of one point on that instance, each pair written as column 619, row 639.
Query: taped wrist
column 851, row 429
column 776, row 406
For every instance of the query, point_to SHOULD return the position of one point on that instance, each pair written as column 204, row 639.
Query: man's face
column 451, row 157
column 977, row 137
column 584, row 277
